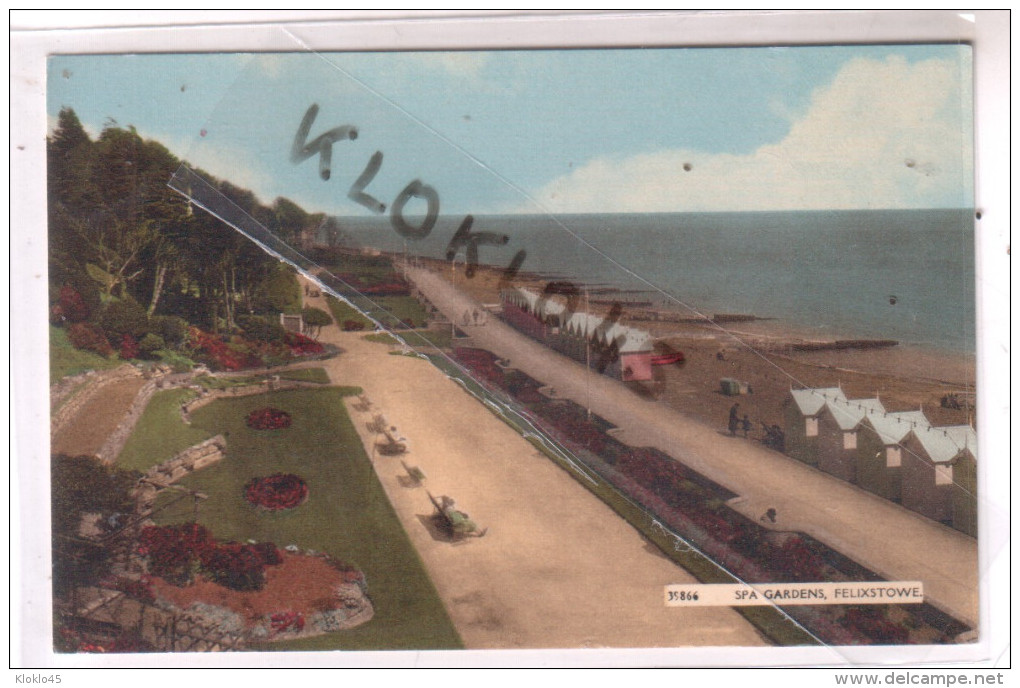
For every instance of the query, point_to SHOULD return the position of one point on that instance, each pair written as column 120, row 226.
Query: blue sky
column 561, row 131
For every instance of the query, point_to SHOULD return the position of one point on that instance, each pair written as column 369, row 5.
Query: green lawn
column 161, row 433
column 391, row 311
column 424, row 340
column 66, row 360
column 406, row 309
column 342, row 313
column 439, row 338
column 213, row 382
column 347, row 513
column 306, row 375
column 380, row 338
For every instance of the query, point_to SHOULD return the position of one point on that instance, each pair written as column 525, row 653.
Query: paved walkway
column 886, row 538
column 557, row 568
column 87, row 431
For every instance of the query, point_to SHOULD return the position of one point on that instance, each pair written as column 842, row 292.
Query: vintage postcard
column 566, row 347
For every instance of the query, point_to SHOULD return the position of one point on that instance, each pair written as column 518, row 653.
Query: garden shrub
column 234, row 566
column 123, row 317
column 175, row 552
column 128, row 347
column 70, row 306
column 315, row 318
column 261, row 329
column 172, row 549
column 179, row 362
column 173, row 330
column 89, row 337
column 150, row 344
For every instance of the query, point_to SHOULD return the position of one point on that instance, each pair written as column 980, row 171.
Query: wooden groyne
column 842, row 344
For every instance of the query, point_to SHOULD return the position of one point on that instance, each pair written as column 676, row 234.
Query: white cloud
column 883, row 134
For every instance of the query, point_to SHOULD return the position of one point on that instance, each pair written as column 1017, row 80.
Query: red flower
column 128, row 347
column 90, row 338
column 174, row 551
column 72, row 306
column 268, row 419
column 301, row 345
column 284, row 621
column 277, row 491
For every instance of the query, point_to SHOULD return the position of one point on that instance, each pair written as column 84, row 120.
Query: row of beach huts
column 897, row 455
column 617, row 350
column 900, row 456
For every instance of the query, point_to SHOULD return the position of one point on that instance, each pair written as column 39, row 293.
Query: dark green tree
column 83, row 485
column 315, row 319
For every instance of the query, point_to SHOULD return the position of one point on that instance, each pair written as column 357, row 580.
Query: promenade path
column 89, row 428
column 557, row 568
column 894, row 542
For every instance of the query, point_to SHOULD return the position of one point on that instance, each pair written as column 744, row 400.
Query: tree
column 315, row 319
column 83, row 485
column 289, row 220
column 126, row 210
column 281, row 292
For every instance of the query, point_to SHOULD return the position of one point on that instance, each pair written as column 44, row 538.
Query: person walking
column 734, row 418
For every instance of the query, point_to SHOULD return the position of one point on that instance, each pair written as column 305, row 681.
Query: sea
column 907, row 275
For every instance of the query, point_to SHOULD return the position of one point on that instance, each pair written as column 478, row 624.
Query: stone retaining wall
column 170, row 471
column 212, row 395
column 191, row 459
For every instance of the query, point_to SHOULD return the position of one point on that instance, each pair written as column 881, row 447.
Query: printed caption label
column 783, row 594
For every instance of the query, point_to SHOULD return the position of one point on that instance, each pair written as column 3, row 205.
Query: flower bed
column 305, row 594
column 276, row 492
column 89, row 337
column 695, row 508
column 233, row 352
column 482, row 364
column 176, row 553
column 301, row 345
column 268, row 418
